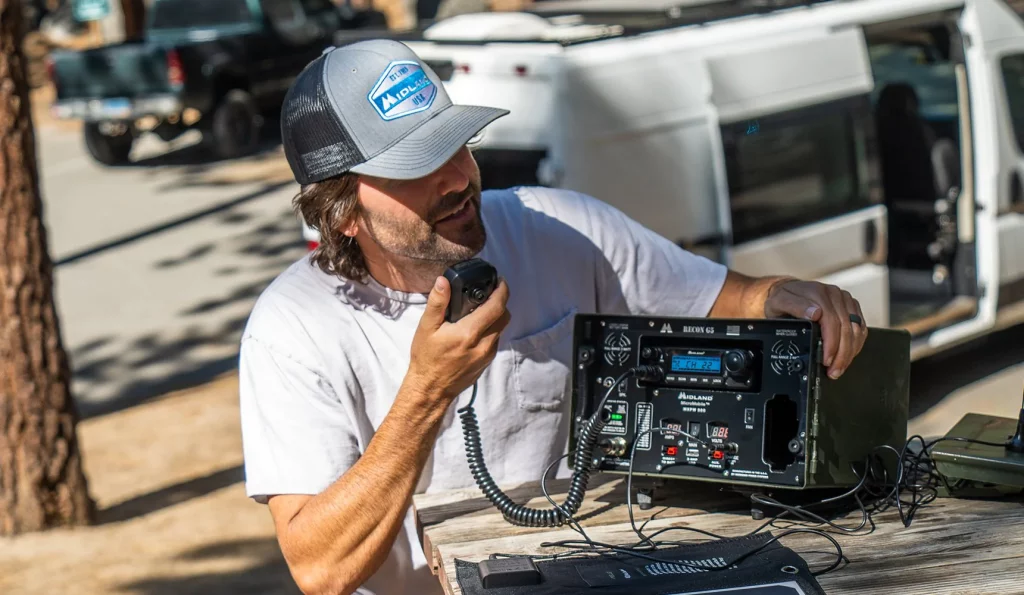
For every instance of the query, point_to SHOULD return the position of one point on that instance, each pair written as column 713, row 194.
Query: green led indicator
column 616, row 416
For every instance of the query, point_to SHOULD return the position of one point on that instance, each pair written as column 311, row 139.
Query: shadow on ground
column 171, row 495
column 265, row 573
column 169, row 225
column 202, row 344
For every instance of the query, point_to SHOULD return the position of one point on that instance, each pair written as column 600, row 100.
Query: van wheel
column 235, row 126
column 109, row 150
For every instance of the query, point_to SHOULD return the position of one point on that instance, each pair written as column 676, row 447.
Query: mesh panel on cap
column 316, row 144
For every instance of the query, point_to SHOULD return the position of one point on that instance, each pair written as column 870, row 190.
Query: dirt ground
column 174, row 519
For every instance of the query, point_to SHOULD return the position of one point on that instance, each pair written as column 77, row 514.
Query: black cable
column 649, row 540
column 629, row 475
column 634, row 551
column 573, row 523
column 598, row 548
column 916, row 474
column 531, row 517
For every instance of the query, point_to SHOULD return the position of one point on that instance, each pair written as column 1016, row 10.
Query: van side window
column 1013, row 79
column 791, row 169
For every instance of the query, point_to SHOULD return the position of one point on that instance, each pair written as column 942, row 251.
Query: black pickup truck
column 215, row 65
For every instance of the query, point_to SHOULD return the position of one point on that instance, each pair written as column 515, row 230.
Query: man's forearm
column 341, row 536
column 743, row 296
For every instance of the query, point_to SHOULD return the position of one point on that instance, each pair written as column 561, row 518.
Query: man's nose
column 451, row 177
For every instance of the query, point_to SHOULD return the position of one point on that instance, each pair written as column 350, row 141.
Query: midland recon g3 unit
column 745, row 402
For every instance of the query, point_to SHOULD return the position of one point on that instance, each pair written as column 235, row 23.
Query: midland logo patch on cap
column 402, row 89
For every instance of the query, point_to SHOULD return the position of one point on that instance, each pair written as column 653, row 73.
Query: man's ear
column 351, row 228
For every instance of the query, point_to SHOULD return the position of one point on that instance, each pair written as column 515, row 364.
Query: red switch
column 718, row 455
column 671, row 450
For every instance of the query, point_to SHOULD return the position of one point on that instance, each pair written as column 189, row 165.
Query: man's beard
column 419, row 240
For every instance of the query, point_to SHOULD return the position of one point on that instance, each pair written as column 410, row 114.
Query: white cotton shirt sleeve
column 297, row 437
column 637, row 271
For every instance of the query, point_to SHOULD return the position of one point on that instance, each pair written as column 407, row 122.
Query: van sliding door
column 996, row 64
column 802, row 193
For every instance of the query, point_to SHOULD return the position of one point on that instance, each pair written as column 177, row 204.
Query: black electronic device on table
column 749, row 565
column 742, row 402
column 982, row 456
column 472, row 282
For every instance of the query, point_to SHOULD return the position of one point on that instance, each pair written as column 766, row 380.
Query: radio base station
column 737, row 402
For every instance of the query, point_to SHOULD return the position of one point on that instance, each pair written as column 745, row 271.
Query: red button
column 671, row 451
column 718, row 455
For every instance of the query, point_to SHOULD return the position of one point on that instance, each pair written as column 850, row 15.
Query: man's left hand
column 832, row 308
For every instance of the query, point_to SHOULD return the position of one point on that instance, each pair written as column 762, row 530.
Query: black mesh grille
column 315, row 143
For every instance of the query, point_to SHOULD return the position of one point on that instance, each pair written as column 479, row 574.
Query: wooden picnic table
column 952, row 546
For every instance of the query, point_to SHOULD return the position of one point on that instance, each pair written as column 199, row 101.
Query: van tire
column 235, row 126
column 108, row 150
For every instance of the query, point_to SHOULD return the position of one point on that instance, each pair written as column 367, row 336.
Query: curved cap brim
column 430, row 146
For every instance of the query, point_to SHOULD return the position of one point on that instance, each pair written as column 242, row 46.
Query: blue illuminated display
column 695, row 363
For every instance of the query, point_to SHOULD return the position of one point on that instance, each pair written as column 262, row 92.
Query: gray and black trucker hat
column 374, row 108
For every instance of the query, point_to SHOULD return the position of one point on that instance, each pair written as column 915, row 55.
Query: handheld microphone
column 472, row 282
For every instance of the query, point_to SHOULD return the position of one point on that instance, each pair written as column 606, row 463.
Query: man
column 350, row 376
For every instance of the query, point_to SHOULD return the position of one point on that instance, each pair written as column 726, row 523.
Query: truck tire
column 235, row 126
column 107, row 150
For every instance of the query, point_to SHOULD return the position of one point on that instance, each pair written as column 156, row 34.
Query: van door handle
column 870, row 237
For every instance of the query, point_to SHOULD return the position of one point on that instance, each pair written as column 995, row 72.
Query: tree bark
column 42, row 484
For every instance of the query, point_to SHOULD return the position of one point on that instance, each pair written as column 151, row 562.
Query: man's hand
column 831, row 308
column 449, row 356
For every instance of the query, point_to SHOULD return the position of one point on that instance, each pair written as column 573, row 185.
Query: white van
column 875, row 144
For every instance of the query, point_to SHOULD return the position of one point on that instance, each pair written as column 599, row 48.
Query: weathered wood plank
column 953, row 546
column 996, row 576
column 445, row 520
column 449, row 580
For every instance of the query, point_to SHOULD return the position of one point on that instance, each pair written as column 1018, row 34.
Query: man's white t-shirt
column 323, row 357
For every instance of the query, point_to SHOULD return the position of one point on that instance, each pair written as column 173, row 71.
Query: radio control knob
column 738, row 362
column 651, row 353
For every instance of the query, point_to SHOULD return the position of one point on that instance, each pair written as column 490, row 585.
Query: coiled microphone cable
column 531, row 517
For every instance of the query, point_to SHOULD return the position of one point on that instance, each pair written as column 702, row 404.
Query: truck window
column 189, row 14
column 1013, row 79
column 288, row 15
column 324, row 12
column 283, row 13
column 791, row 169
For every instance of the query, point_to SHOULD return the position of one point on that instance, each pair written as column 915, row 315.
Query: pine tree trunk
column 41, row 480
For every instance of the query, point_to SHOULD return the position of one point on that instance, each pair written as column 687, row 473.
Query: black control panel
column 737, row 401
column 702, row 367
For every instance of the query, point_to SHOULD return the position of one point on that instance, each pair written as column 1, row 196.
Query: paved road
column 158, row 265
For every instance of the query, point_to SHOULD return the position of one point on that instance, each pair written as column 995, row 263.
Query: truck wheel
column 106, row 149
column 235, row 126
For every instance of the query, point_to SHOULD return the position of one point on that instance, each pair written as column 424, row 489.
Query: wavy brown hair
column 328, row 206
